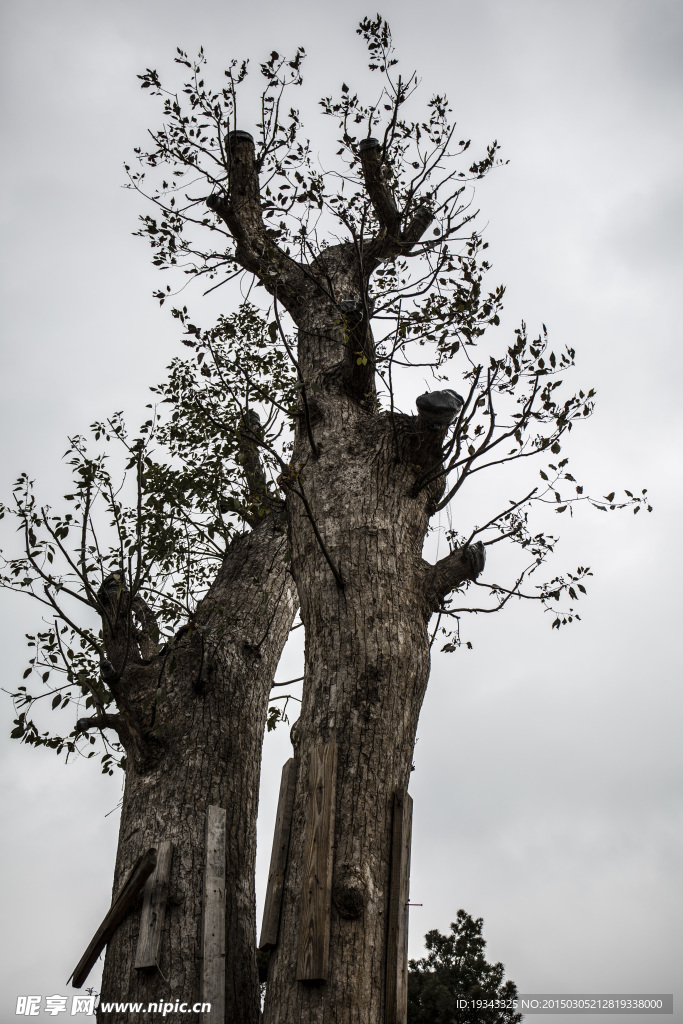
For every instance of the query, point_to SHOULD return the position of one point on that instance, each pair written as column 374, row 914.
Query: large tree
column 385, row 242
column 181, row 556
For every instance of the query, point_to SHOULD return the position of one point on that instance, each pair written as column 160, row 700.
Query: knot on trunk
column 349, row 893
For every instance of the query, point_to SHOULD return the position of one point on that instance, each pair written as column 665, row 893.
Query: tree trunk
column 210, row 711
column 357, row 525
column 367, row 665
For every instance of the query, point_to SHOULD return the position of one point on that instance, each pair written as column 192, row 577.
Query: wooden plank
column 130, row 890
column 154, row 909
column 278, row 857
column 316, row 896
column 396, row 992
column 213, row 916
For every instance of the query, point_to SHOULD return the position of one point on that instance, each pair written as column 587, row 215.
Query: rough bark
column 194, row 722
column 357, row 524
column 367, row 666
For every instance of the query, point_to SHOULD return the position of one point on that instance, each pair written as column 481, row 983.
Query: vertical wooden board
column 316, row 896
column 155, row 898
column 278, row 857
column 404, row 908
column 396, row 992
column 213, row 918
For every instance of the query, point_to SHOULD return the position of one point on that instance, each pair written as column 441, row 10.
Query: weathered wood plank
column 314, row 926
column 396, row 993
column 278, row 857
column 153, row 915
column 130, row 890
column 213, row 916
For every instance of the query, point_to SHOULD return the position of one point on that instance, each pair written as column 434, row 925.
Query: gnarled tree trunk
column 357, row 525
column 193, row 720
column 367, row 666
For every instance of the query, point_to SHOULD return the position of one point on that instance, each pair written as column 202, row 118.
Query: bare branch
column 287, row 682
column 381, row 197
column 391, row 241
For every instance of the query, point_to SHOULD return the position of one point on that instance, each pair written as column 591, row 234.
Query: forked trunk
column 357, row 524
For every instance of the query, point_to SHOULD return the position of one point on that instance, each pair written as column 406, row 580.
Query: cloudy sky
column 547, row 787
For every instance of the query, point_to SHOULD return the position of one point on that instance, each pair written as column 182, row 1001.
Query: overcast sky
column 547, row 789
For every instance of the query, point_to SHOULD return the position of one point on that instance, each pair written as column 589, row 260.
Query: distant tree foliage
column 455, row 971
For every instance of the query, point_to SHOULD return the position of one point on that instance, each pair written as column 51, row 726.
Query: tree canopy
column 454, row 983
column 152, row 513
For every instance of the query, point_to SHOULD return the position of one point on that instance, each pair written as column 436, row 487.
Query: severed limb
column 240, row 209
column 130, row 668
column 436, row 410
column 463, row 565
column 250, row 441
column 381, row 196
column 252, row 468
column 103, row 720
column 391, row 241
column 147, row 633
column 116, row 606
